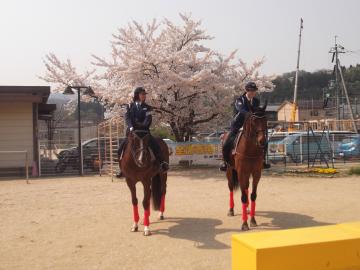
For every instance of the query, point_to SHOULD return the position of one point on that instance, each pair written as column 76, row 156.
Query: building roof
column 272, row 108
column 36, row 94
column 305, row 104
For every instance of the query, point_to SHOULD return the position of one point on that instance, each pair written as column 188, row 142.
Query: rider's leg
column 121, row 147
column 155, row 147
column 227, row 147
column 236, row 124
column 120, row 150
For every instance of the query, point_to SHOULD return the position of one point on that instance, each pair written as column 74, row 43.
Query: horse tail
column 234, row 179
column 156, row 191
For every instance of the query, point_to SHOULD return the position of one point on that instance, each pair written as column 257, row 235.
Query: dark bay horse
column 138, row 164
column 248, row 161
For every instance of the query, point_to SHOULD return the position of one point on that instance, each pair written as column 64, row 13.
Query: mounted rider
column 138, row 117
column 243, row 105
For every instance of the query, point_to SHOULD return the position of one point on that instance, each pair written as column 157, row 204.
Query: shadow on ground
column 203, row 231
column 286, row 220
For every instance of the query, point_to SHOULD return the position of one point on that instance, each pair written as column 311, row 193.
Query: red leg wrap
column 146, row 217
column 231, row 200
column 162, row 206
column 252, row 209
column 244, row 212
column 136, row 213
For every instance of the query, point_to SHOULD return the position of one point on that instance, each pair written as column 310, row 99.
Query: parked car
column 297, row 147
column 349, row 147
column 69, row 158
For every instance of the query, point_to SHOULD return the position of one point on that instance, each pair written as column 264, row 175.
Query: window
column 314, row 113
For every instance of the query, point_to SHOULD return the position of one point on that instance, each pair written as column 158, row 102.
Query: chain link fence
column 300, row 143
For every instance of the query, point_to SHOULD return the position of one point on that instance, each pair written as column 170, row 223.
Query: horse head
column 139, row 144
column 258, row 125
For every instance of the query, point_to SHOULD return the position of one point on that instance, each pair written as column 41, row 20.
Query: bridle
column 255, row 134
column 252, row 135
column 140, row 151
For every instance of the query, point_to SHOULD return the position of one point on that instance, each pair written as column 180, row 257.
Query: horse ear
column 263, row 108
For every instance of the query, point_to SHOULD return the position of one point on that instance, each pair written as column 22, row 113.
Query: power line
column 336, row 50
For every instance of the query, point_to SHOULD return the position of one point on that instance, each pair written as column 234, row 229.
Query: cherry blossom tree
column 189, row 84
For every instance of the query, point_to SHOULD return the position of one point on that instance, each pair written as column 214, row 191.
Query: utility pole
column 298, row 62
column 294, row 109
column 336, row 50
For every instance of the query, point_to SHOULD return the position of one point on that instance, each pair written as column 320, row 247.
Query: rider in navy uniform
column 242, row 106
column 138, row 117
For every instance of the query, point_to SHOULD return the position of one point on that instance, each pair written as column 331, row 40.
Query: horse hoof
column 231, row 212
column 245, row 227
column 253, row 222
column 147, row 233
column 135, row 229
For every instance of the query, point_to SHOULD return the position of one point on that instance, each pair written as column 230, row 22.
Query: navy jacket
column 241, row 107
column 242, row 104
column 138, row 116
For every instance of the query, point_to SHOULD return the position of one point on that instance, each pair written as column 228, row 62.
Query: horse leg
column 231, row 199
column 247, row 204
column 134, row 200
column 146, row 205
column 163, row 193
column 256, row 179
column 233, row 184
column 244, row 185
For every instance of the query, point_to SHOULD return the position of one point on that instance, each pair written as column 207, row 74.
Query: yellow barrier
column 315, row 248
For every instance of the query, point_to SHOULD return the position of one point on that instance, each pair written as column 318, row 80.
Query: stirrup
column 223, row 167
column 164, row 166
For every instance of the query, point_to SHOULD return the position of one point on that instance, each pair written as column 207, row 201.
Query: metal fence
column 15, row 163
column 313, row 148
column 302, row 145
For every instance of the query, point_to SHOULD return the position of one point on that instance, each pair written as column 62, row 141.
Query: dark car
column 93, row 153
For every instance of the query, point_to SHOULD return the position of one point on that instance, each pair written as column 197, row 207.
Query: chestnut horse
column 138, row 164
column 248, row 161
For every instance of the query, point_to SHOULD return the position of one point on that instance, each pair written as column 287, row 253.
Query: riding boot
column 223, row 166
column 164, row 166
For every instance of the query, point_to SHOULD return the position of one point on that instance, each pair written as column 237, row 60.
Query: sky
column 75, row 29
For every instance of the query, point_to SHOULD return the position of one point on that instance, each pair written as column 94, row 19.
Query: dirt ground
column 84, row 223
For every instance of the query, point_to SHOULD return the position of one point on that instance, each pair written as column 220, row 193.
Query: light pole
column 88, row 91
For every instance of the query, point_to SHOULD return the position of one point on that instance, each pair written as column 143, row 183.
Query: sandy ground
column 84, row 223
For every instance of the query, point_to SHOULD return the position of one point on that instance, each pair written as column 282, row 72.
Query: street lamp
column 87, row 91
